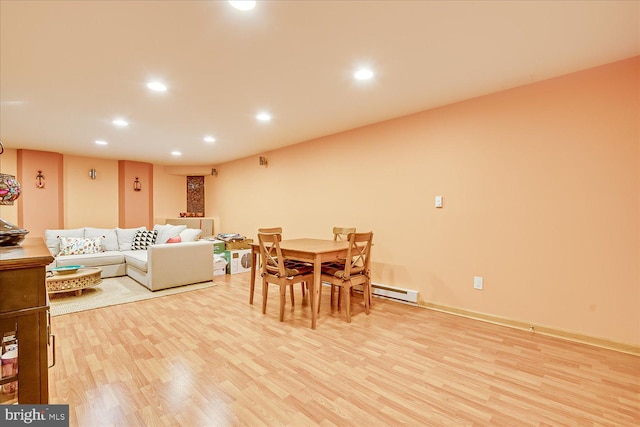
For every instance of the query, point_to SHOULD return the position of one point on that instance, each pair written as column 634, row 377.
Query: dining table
column 313, row 251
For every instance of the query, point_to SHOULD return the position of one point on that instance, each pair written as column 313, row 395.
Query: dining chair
column 340, row 234
column 355, row 271
column 272, row 230
column 284, row 273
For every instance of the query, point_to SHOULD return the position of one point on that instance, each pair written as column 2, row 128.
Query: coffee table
column 82, row 279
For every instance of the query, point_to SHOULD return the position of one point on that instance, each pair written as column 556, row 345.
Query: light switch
column 438, row 201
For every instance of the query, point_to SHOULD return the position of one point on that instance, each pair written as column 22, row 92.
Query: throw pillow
column 52, row 238
column 80, row 246
column 165, row 232
column 190, row 234
column 143, row 239
column 176, row 239
column 110, row 238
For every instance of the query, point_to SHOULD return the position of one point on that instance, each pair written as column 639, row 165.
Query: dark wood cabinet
column 24, row 311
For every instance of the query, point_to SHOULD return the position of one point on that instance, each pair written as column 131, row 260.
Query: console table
column 24, row 312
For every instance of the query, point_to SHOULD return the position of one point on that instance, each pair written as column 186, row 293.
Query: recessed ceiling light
column 243, row 4
column 101, row 142
column 157, row 86
column 363, row 74
column 209, row 139
column 120, row 123
column 263, row 117
column 176, row 153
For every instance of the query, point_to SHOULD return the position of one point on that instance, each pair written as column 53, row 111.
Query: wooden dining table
column 314, row 251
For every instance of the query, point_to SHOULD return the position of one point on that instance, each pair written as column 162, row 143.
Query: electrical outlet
column 438, row 201
column 478, row 282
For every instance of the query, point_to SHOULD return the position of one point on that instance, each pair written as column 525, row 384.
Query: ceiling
column 68, row 68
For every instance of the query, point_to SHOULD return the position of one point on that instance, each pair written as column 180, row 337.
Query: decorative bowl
column 11, row 235
column 67, row 269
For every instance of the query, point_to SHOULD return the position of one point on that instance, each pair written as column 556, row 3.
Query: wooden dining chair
column 340, row 234
column 284, row 273
column 355, row 271
column 269, row 230
column 288, row 263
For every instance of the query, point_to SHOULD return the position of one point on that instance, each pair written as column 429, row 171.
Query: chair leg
column 304, row 285
column 293, row 300
column 283, row 298
column 366, row 292
column 265, row 292
column 347, row 297
column 339, row 296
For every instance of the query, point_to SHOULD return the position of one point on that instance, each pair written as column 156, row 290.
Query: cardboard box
column 219, row 265
column 238, row 261
column 241, row 244
column 219, row 246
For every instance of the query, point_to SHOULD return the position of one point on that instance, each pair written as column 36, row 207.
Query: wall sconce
column 92, row 173
column 214, row 171
column 263, row 161
column 40, row 180
column 136, row 185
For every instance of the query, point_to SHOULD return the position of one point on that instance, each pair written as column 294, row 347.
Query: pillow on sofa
column 165, row 232
column 80, row 246
column 143, row 239
column 125, row 237
column 176, row 239
column 52, row 238
column 190, row 234
column 109, row 237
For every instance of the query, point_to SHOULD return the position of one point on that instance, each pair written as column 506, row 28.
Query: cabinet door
column 32, row 376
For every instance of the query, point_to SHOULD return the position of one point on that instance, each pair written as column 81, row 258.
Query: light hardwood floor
column 208, row 358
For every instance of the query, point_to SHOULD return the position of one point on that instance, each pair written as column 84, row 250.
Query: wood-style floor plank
column 208, row 358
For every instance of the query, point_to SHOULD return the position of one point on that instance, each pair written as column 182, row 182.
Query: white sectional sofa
column 161, row 265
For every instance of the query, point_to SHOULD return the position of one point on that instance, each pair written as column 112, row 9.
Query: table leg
column 315, row 307
column 254, row 259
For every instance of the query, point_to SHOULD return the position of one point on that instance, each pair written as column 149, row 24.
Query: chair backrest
column 270, row 254
column 342, row 233
column 271, row 230
column 358, row 261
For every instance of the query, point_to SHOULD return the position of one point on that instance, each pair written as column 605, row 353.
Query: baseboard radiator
column 398, row 294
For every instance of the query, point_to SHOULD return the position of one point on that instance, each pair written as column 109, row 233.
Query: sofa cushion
column 109, row 237
column 91, row 260
column 167, row 231
column 137, row 259
column 80, row 246
column 190, row 234
column 125, row 237
column 143, row 239
column 52, row 238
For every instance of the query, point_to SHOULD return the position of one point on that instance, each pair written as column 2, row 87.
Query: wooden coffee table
column 82, row 279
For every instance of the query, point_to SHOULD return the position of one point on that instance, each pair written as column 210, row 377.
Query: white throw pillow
column 110, row 238
column 52, row 238
column 125, row 237
column 80, row 245
column 165, row 232
column 190, row 234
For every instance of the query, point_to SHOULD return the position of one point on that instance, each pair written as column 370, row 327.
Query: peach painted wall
column 40, row 208
column 9, row 165
column 88, row 202
column 135, row 207
column 169, row 193
column 541, row 198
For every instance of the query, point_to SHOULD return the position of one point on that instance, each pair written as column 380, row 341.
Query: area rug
column 112, row 291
